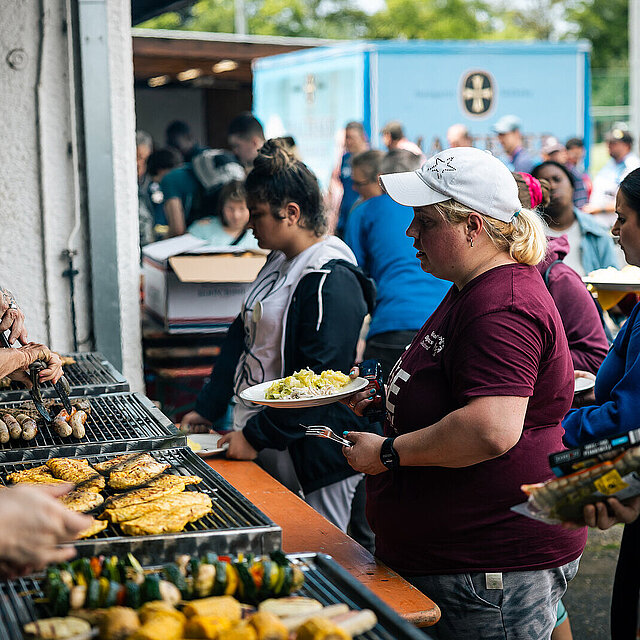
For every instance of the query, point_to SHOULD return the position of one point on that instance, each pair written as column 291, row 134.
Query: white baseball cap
column 472, row 177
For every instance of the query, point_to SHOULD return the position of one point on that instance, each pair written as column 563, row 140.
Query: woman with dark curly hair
column 305, row 309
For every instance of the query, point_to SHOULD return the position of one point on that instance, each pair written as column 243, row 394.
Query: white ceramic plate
column 208, row 443
column 613, row 286
column 583, row 384
column 256, row 393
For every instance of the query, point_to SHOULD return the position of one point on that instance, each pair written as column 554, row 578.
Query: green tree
column 309, row 18
column 605, row 24
column 431, row 19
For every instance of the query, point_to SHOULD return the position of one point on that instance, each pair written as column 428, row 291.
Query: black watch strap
column 388, row 455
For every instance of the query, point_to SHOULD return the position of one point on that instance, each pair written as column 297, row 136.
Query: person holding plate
column 615, row 410
column 305, row 309
column 474, row 407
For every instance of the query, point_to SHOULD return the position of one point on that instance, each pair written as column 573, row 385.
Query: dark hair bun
column 273, row 157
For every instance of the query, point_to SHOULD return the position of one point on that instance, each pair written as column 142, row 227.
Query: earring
column 471, row 241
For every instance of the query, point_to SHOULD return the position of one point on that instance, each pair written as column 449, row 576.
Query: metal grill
column 325, row 581
column 117, row 422
column 235, row 525
column 92, row 374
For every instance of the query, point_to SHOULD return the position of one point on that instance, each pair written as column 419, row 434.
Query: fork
column 325, row 432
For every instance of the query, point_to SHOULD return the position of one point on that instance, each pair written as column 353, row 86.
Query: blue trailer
column 428, row 86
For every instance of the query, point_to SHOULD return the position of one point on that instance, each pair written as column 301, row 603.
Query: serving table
column 303, row 529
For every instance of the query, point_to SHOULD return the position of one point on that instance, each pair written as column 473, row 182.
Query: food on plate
column 76, row 470
column 307, row 384
column 629, row 274
column 58, row 628
column 162, row 486
column 161, row 505
column 171, row 521
column 96, row 527
column 82, row 501
column 139, row 471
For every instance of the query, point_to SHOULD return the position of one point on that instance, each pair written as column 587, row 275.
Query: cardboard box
column 193, row 288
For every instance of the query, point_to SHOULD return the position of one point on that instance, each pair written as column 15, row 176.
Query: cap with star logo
column 472, row 177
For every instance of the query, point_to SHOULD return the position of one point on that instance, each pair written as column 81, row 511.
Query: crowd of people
column 462, row 274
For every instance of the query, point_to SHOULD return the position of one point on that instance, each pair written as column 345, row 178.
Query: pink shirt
column 407, row 145
column 499, row 335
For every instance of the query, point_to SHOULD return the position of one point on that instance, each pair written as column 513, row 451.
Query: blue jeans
column 518, row 605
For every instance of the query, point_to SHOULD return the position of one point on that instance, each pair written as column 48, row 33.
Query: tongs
column 61, row 387
column 325, row 432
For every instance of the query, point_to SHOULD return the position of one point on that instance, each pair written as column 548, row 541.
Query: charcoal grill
column 234, row 526
column 92, row 374
column 325, row 580
column 117, row 422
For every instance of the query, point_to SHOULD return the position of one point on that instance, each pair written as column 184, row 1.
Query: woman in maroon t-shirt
column 473, row 409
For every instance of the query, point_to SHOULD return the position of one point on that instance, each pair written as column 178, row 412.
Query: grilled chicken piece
column 67, row 360
column 96, row 527
column 107, row 465
column 164, row 521
column 162, row 486
column 164, row 504
column 82, row 501
column 139, row 471
column 76, row 471
column 35, row 475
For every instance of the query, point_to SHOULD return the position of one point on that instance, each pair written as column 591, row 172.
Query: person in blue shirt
column 616, row 410
column 376, row 234
column 355, row 142
column 591, row 246
column 509, row 133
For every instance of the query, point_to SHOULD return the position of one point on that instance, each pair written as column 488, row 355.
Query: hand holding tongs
column 61, row 387
column 325, row 432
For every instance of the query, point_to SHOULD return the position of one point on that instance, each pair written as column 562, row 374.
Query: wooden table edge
column 278, row 503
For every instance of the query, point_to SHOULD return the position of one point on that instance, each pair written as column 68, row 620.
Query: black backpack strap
column 548, row 271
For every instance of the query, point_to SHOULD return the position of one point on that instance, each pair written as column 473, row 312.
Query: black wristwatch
column 388, row 455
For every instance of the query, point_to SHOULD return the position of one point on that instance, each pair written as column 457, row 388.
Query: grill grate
column 235, row 523
column 325, row 580
column 121, row 420
column 91, row 374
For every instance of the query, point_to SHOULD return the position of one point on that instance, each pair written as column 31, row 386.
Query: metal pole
column 634, row 70
column 101, row 205
column 240, row 17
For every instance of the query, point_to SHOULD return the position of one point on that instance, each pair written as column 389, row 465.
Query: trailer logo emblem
column 477, row 92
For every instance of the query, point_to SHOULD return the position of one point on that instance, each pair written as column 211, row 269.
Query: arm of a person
column 491, row 425
column 322, row 339
column 12, row 317
column 175, row 217
column 619, row 414
column 587, row 341
column 12, row 360
column 214, row 397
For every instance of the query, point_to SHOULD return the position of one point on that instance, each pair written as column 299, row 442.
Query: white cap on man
column 472, row 177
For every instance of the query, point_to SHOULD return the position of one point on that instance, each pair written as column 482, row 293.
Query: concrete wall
column 41, row 178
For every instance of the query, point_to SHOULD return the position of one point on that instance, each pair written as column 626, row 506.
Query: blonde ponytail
column 523, row 238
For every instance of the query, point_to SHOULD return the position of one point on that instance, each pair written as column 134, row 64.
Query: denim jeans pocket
column 475, row 583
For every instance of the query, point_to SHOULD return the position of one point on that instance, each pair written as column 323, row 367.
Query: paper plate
column 206, row 444
column 256, row 393
column 583, row 384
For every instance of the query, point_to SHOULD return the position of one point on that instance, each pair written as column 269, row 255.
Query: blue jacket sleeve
column 608, row 252
column 214, row 398
column 619, row 412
